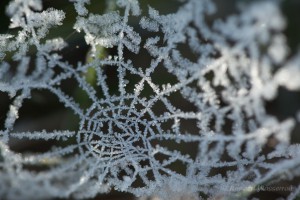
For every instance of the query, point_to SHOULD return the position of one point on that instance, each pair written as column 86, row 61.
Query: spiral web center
column 114, row 131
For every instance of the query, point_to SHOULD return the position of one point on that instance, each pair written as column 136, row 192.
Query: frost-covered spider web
column 189, row 119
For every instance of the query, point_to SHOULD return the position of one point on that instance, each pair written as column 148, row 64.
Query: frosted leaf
column 108, row 30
